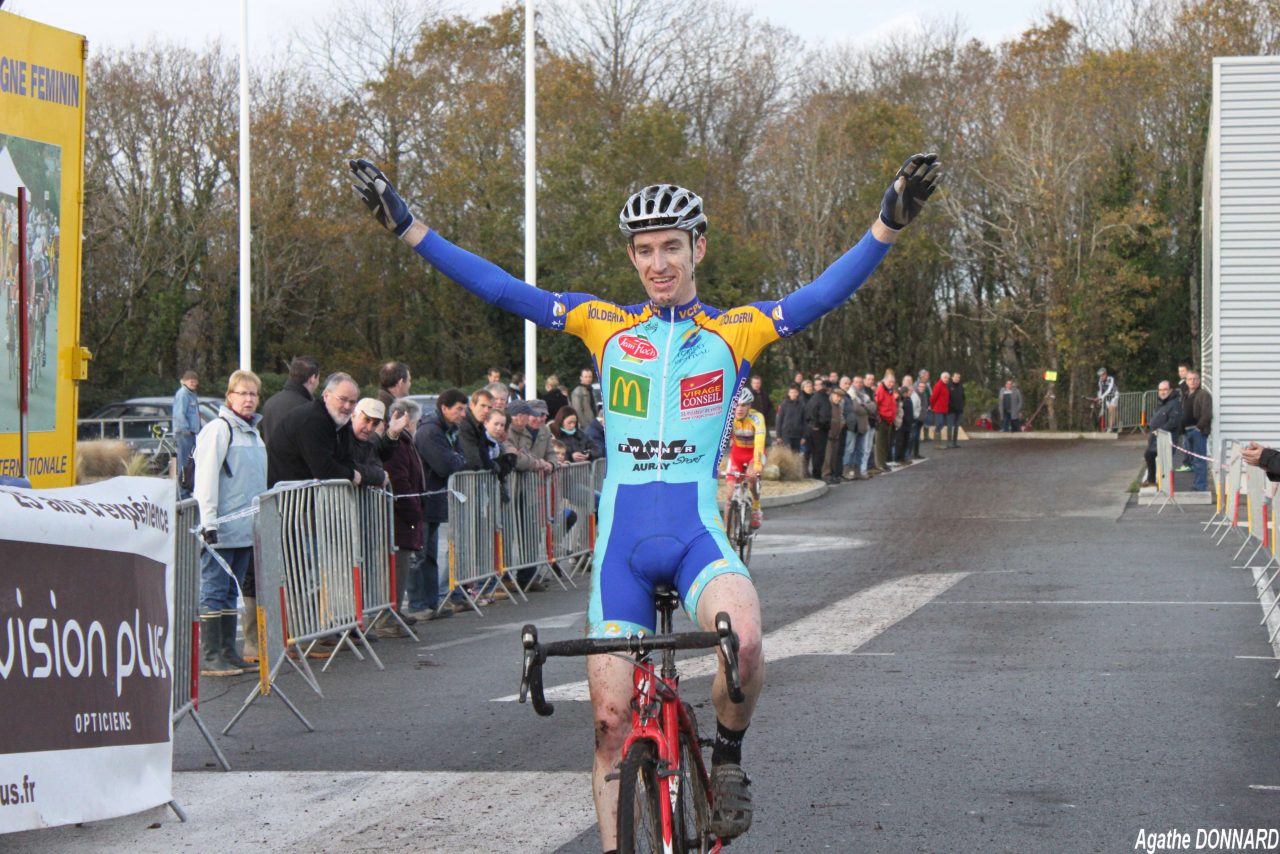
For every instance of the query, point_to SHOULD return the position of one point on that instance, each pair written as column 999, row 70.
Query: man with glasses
column 316, row 442
column 1167, row 417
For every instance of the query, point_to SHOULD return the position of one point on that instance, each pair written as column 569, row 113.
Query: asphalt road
column 986, row 652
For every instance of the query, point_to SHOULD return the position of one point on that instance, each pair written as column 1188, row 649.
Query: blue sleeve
column 836, row 284
column 491, row 283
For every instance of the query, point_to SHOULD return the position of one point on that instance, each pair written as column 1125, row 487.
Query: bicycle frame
column 658, row 716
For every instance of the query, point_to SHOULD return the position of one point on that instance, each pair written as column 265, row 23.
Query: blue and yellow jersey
column 668, row 377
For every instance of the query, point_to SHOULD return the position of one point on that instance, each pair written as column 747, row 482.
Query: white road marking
column 1264, row 788
column 805, row 543
column 347, row 811
column 1079, row 602
column 561, row 621
column 839, row 629
column 1257, row 657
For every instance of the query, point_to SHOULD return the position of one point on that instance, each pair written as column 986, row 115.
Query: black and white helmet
column 661, row 206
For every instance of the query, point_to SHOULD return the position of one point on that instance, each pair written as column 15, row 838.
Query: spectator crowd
column 315, row 431
column 856, row 427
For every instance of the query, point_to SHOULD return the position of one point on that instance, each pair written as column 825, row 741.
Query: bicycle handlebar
column 535, row 654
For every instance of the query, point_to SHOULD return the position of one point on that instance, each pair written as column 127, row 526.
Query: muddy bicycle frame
column 658, row 716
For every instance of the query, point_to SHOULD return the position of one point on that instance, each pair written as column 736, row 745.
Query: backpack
column 187, row 477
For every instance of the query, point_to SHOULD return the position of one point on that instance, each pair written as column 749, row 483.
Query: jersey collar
column 677, row 313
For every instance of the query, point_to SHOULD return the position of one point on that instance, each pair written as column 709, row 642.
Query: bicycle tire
column 731, row 523
column 639, row 802
column 745, row 537
column 692, row 817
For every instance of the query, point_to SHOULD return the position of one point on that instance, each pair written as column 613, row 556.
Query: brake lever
column 531, row 672
column 729, row 649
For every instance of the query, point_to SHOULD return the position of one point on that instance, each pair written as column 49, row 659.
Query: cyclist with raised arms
column 669, row 368
column 746, row 452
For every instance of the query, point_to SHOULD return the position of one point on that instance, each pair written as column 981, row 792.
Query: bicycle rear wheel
column 745, row 535
column 639, row 804
column 692, row 818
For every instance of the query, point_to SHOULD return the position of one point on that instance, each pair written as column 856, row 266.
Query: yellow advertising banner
column 42, row 90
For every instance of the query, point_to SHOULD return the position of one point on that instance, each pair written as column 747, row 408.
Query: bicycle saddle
column 665, row 598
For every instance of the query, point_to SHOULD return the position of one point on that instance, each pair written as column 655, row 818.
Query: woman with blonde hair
column 231, row 470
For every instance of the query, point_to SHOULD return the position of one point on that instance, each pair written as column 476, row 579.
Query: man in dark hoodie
column 1197, row 421
column 1167, row 417
column 472, row 440
column 817, row 418
column 436, row 441
column 789, row 425
column 955, row 409
column 299, row 390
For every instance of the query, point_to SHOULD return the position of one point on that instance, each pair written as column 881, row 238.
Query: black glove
column 381, row 197
column 911, row 187
column 209, row 535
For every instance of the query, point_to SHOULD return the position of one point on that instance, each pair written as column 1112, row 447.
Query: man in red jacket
column 940, row 403
column 887, row 409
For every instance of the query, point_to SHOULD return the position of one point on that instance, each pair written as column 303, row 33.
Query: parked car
column 426, row 401
column 144, row 422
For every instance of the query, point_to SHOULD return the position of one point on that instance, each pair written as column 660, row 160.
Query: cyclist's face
column 742, row 410
column 665, row 261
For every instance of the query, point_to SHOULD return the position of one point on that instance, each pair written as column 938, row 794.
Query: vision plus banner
column 86, row 610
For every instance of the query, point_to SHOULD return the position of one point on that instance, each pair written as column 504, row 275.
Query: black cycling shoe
column 730, row 801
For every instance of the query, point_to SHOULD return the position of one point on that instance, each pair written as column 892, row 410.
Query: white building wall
column 1240, row 329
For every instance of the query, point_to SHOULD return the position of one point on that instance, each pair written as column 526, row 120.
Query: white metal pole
column 245, row 260
column 530, row 200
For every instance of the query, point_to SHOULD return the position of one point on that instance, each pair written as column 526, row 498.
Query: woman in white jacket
column 231, row 470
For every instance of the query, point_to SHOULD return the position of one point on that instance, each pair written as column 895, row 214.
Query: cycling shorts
column 740, row 460
column 655, row 533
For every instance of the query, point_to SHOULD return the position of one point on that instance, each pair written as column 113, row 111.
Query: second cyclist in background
column 746, row 454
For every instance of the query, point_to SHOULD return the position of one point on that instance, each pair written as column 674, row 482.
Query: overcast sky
column 119, row 23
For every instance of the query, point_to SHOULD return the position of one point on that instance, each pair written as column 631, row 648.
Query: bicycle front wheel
column 639, row 802
column 745, row 534
column 693, row 806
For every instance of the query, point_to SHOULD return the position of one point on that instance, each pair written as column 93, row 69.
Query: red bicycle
column 664, row 794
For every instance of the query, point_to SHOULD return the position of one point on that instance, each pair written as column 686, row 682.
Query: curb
column 818, row 490
column 1059, row 434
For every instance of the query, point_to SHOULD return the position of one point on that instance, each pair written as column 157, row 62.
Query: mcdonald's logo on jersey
column 628, row 393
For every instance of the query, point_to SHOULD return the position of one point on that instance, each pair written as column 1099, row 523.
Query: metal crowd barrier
column 376, row 508
column 597, row 475
column 532, row 521
column 522, row 525
column 1164, row 468
column 1230, row 514
column 572, row 495
column 1232, row 479
column 309, row 581
column 475, row 558
column 1131, row 412
column 1255, row 482
column 186, row 624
